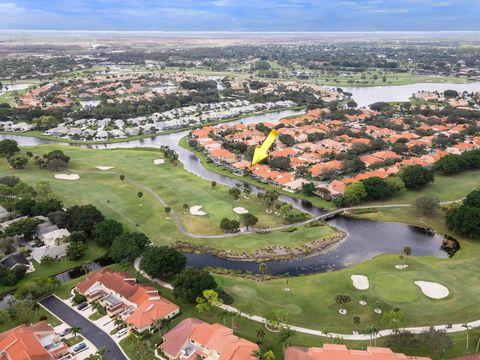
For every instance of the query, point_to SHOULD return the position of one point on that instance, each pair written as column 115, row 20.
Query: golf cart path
column 183, row 230
column 354, row 336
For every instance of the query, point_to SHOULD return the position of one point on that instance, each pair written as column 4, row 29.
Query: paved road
column 89, row 330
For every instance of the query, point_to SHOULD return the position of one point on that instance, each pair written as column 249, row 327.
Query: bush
column 163, row 262
column 190, row 283
column 416, row 176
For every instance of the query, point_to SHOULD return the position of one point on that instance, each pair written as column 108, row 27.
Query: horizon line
column 249, row 31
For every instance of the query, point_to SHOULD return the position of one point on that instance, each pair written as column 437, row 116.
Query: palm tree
column 214, row 185
column 168, row 209
column 185, row 208
column 165, row 324
column 260, row 333
column 86, row 268
column 122, row 179
column 101, row 353
column 262, row 268
column 140, row 196
column 224, row 313
column 75, row 330
column 285, row 335
column 478, row 342
column 466, row 326
column 372, row 331
column 118, row 322
column 407, row 251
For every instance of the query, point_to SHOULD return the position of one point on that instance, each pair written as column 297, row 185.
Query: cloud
column 244, row 15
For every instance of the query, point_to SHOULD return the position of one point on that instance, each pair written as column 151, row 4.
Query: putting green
column 394, row 288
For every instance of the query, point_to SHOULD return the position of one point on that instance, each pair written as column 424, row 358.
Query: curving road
column 89, row 330
column 354, row 336
column 183, row 230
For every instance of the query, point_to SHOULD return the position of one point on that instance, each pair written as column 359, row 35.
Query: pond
column 365, row 240
column 365, row 96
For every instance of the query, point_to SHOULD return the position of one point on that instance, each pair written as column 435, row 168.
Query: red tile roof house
column 223, row 155
column 138, row 305
column 340, row 352
column 38, row 341
column 193, row 337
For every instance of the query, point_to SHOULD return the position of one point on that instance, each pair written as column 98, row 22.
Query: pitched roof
column 120, row 282
column 22, row 343
column 149, row 311
column 214, row 337
column 340, row 352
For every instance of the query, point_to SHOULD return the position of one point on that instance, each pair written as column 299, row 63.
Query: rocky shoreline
column 269, row 254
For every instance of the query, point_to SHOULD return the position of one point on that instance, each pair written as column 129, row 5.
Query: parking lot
column 96, row 332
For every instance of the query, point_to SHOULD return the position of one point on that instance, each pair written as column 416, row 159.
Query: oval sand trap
column 104, row 168
column 432, row 289
column 195, row 210
column 240, row 210
column 360, row 282
column 158, row 161
column 67, row 176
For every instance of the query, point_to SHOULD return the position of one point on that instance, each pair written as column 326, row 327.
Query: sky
column 241, row 15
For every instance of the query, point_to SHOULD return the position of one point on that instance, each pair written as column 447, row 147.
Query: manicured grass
column 36, row 315
column 446, row 188
column 74, row 340
column 247, row 328
column 42, row 271
column 310, row 300
column 96, row 315
column 173, row 184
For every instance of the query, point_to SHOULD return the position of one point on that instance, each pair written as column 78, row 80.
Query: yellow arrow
column 261, row 152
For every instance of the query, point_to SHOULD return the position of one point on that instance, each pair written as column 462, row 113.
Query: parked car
column 79, row 347
column 65, row 332
column 121, row 332
column 82, row 306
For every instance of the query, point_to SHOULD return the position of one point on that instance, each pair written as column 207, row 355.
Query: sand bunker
column 158, row 161
column 401, row 267
column 67, row 176
column 104, row 168
column 240, row 210
column 195, row 210
column 432, row 290
column 360, row 282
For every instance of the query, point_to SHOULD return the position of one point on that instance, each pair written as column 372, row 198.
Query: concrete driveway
column 89, row 330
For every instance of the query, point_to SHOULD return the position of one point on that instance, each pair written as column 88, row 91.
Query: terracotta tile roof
column 214, row 337
column 22, row 342
column 149, row 305
column 149, row 311
column 340, row 352
column 284, row 152
column 330, row 165
column 222, row 154
column 175, row 339
column 369, row 159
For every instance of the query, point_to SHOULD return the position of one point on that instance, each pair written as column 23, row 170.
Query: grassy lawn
column 446, row 188
column 310, row 301
column 96, row 315
column 173, row 184
column 247, row 328
column 42, row 271
column 74, row 340
column 35, row 317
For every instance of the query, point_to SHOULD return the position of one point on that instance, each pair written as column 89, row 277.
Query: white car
column 121, row 332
